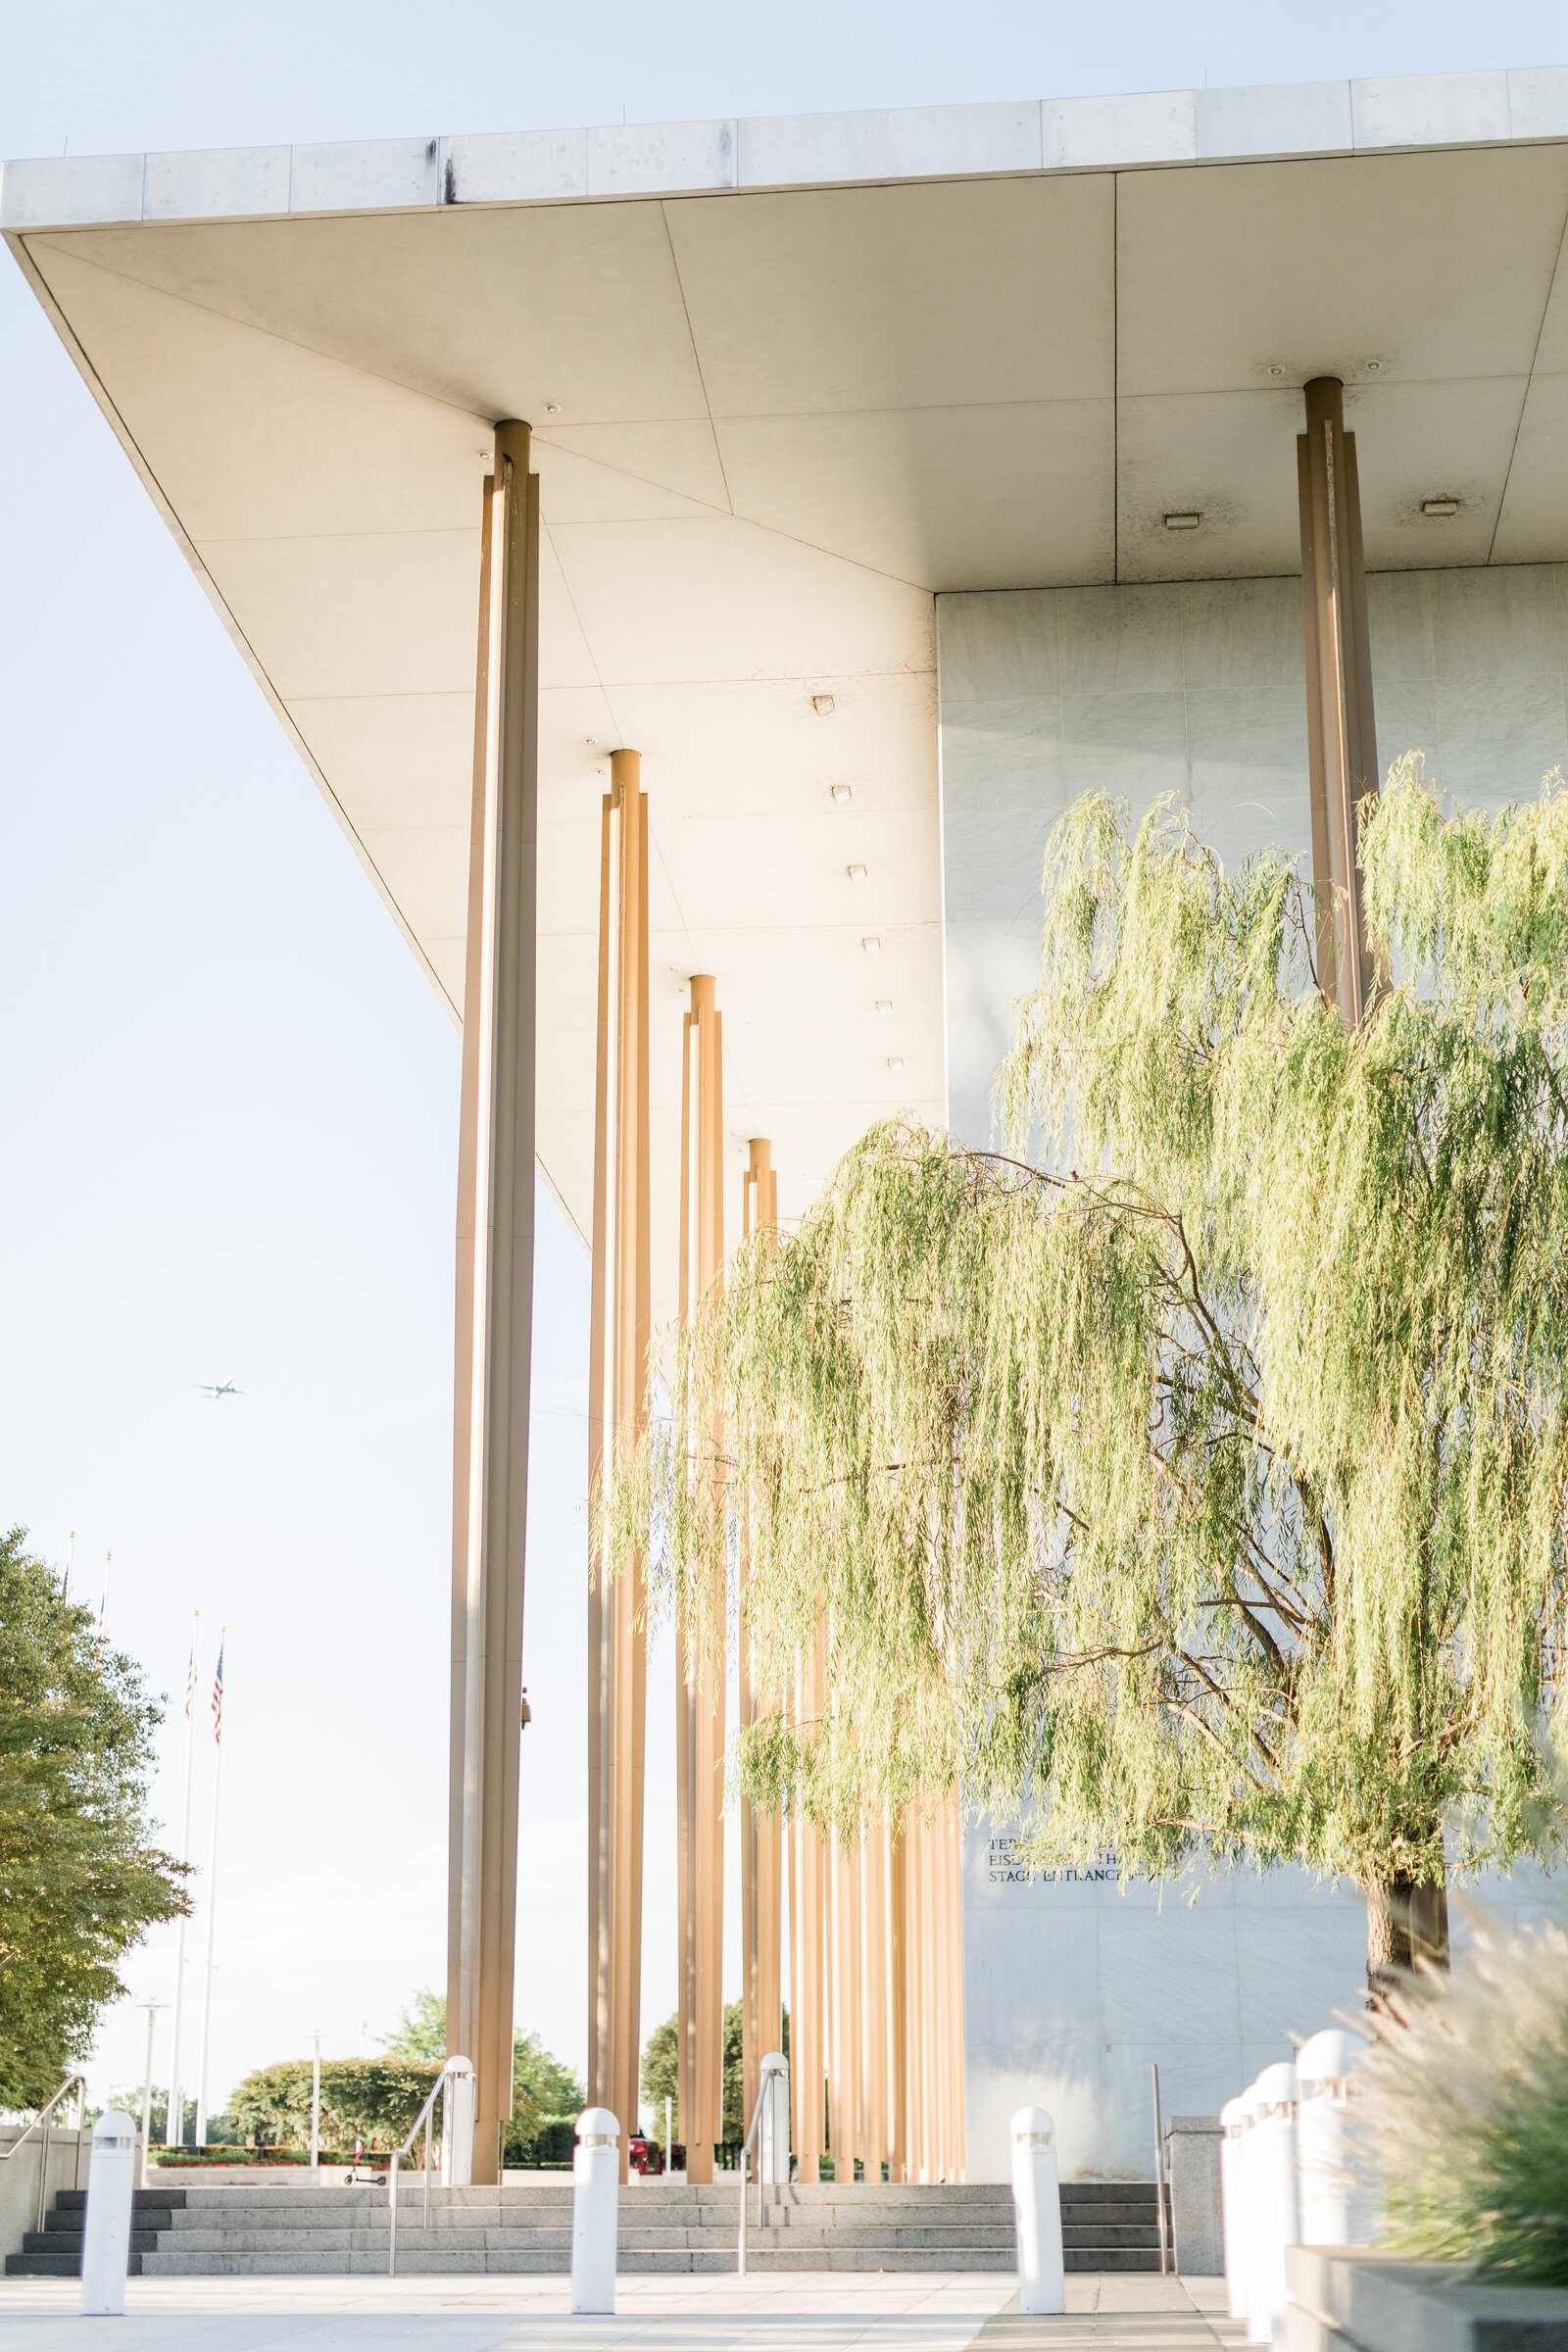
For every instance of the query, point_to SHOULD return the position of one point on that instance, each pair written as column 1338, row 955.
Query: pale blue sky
column 229, row 1094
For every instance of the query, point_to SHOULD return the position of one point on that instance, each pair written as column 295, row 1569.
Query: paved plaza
column 802, row 2312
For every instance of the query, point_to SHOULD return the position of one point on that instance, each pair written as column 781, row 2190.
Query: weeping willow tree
column 1193, row 1472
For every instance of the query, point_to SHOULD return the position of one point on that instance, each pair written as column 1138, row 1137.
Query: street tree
column 376, row 2098
column 661, row 2072
column 81, row 1880
column 1193, row 1471
column 544, row 2086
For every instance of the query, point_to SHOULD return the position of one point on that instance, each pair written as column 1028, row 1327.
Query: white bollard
column 106, row 2232
column 1334, row 2212
column 1272, row 2203
column 595, row 2195
column 1232, row 2124
column 773, row 2156
column 457, row 2102
column 1244, row 2220
column 1037, row 2212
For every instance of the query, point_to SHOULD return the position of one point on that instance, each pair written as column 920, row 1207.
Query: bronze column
column 620, row 1334
column 700, row 1657
column 494, row 1322
column 762, row 1845
column 1341, row 739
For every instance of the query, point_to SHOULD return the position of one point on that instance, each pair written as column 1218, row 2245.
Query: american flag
column 191, row 1676
column 218, row 1697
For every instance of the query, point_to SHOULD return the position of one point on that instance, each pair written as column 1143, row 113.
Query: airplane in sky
column 220, row 1388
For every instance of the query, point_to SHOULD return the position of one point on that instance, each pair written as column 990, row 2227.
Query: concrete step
column 144, row 2200
column 464, row 2241
column 719, row 2261
column 68, row 2241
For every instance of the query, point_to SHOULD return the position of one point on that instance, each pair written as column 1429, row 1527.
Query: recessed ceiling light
column 1183, row 522
column 1276, row 371
column 884, row 1005
column 856, row 873
column 895, row 1062
column 822, row 705
column 872, row 947
column 1371, row 365
column 1439, row 509
column 842, row 793
column 552, row 407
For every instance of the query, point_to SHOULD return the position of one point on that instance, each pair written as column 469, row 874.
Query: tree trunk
column 1406, row 1922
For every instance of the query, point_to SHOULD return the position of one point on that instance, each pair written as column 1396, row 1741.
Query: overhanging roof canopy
column 787, row 380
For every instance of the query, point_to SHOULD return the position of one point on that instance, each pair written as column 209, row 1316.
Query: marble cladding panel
column 936, row 139
column 656, row 158
column 1151, row 126
column 1073, row 1991
column 998, row 648
column 1302, row 117
column 1133, row 746
column 215, row 185
column 510, row 167
column 784, row 150
column 75, row 188
column 1120, row 640
column 1538, row 102
column 1429, row 110
column 364, row 175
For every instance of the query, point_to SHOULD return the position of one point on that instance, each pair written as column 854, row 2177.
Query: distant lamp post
column 153, row 2008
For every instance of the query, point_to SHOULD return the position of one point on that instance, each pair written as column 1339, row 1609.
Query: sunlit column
column 1341, row 737
column 619, row 1345
column 494, row 1317
column 700, row 1663
column 761, row 1840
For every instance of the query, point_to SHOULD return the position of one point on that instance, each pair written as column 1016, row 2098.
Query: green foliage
column 421, row 2032
column 1202, row 1464
column 551, row 2084
column 80, row 1882
column 1463, row 2110
column 379, row 2097
column 543, row 2088
column 661, row 2076
column 660, row 2073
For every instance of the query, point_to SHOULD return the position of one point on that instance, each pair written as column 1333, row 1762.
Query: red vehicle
column 645, row 2155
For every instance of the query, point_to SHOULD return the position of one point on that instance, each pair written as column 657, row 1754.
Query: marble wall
column 1074, row 1985
column 1196, row 689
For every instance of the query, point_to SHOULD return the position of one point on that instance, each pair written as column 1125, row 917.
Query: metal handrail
column 451, row 2068
column 1159, row 2173
column 78, row 2084
column 763, row 2094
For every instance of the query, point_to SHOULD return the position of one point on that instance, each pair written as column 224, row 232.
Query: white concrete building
column 902, row 476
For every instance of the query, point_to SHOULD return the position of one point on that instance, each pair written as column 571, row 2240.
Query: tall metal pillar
column 807, row 1922
column 700, row 1669
column 761, row 1837
column 620, row 1334
column 1342, row 737
column 494, row 1320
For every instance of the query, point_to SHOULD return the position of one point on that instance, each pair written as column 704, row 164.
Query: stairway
column 1111, row 2225
column 278, row 2224
column 55, row 2250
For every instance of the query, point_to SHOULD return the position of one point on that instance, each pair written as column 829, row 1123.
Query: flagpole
column 212, row 1889
column 175, row 2116
column 103, row 1605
